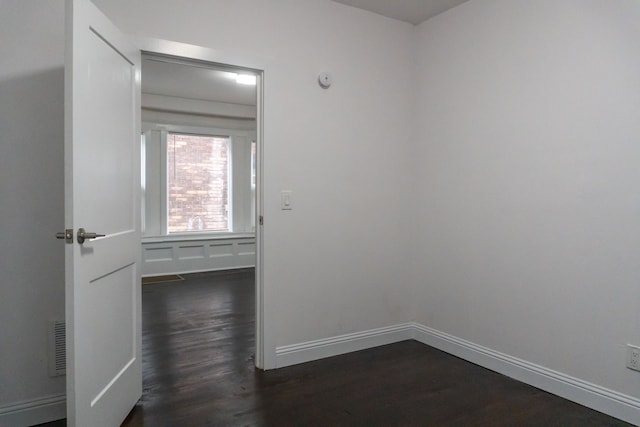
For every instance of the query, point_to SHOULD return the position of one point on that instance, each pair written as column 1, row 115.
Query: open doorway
column 200, row 163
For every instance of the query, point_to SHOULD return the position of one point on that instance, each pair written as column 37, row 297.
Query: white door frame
column 264, row 359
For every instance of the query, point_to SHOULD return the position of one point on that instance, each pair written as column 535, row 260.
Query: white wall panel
column 173, row 256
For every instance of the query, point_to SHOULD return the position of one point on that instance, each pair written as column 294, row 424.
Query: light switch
column 285, row 200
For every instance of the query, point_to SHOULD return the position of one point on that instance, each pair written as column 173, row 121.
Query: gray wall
column 31, row 189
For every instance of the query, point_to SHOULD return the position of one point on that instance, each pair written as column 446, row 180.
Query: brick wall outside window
column 197, row 183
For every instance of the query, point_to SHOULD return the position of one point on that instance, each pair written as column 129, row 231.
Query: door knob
column 83, row 235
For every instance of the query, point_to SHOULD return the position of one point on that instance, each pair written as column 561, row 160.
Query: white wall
column 31, row 207
column 528, row 182
column 341, row 151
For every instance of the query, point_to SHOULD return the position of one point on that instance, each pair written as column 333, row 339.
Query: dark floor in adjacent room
column 198, row 342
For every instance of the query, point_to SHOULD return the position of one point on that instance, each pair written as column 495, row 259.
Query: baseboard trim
column 318, row 349
column 35, row 411
column 601, row 399
column 593, row 396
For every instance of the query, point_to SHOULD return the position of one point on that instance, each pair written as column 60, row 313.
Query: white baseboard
column 334, row 346
column 593, row 396
column 601, row 399
column 36, row 411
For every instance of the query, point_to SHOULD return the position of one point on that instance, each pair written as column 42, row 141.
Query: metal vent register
column 57, row 348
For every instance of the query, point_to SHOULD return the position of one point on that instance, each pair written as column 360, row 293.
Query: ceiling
column 412, row 11
column 162, row 76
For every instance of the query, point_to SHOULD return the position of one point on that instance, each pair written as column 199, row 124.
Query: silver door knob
column 83, row 235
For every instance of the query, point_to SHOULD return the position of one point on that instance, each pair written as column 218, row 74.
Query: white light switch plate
column 286, row 202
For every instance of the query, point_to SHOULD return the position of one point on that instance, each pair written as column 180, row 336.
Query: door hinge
column 261, row 220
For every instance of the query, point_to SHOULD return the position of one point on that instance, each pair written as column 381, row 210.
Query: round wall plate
column 324, row 79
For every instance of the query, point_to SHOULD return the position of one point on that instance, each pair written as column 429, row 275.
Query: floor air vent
column 57, row 348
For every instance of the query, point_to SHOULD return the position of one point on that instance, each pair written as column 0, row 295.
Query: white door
column 102, row 195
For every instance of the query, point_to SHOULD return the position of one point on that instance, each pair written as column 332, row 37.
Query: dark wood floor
column 198, row 342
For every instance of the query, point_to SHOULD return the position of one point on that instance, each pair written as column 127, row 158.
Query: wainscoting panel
column 177, row 256
column 219, row 250
column 159, row 254
column 191, row 251
column 247, row 248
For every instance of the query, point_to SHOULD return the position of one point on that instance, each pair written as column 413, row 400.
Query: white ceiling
column 170, row 78
column 412, row 11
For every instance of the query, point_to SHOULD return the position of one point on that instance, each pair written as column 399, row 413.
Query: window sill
column 196, row 237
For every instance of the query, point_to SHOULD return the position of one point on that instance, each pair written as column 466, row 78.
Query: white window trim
column 239, row 226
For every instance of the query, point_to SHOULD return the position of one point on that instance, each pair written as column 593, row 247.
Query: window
column 197, row 183
column 197, row 180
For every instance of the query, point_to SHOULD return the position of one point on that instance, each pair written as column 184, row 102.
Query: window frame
column 158, row 228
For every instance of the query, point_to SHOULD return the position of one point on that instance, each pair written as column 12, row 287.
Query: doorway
column 201, row 169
